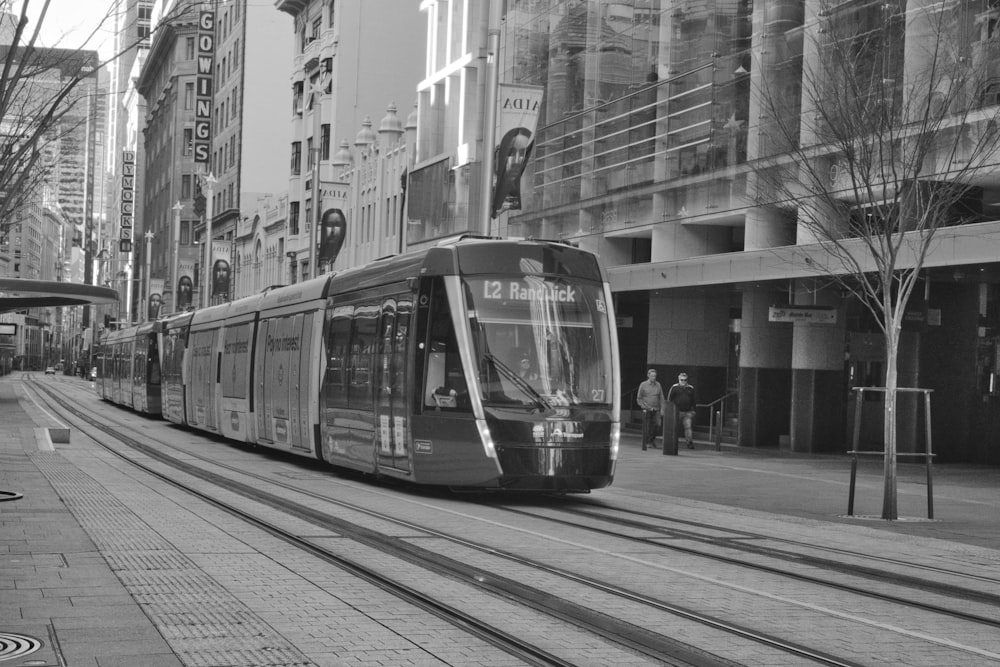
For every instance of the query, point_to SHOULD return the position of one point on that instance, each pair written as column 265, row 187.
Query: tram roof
column 20, row 293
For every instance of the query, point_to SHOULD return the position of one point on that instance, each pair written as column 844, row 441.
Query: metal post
column 316, row 153
column 930, row 455
column 854, row 447
column 206, row 269
column 854, row 477
column 176, row 248
column 149, row 249
column 718, row 431
column 490, row 97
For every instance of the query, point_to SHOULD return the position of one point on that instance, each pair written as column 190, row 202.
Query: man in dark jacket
column 682, row 395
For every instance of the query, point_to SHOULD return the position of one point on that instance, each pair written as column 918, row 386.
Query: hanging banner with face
column 517, row 120
column 332, row 232
column 220, row 268
column 155, row 298
column 185, row 284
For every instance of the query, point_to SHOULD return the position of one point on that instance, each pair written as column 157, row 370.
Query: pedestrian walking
column 649, row 396
column 682, row 395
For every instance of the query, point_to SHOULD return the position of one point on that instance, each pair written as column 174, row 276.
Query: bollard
column 670, row 430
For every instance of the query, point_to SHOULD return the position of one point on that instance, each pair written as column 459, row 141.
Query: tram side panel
column 392, row 390
column 173, row 382
column 236, row 421
column 288, row 362
column 202, row 372
column 347, row 417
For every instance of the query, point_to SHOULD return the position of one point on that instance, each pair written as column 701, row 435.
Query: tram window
column 361, row 357
column 444, row 382
column 338, row 338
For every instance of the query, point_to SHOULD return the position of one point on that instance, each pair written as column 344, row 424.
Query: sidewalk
column 60, row 603
column 966, row 498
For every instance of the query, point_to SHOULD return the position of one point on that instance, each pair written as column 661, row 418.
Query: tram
column 128, row 368
column 475, row 364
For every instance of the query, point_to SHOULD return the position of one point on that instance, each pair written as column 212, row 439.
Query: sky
column 69, row 23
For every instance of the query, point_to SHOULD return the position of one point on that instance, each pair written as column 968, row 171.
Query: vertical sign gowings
column 203, row 88
column 518, row 117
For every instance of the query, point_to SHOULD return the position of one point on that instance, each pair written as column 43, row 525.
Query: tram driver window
column 444, row 386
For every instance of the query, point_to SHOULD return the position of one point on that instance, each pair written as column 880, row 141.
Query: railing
column 715, row 418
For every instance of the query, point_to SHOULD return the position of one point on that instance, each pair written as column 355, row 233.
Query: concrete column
column 818, row 392
column 765, row 369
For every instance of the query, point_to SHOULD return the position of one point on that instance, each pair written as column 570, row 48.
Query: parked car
column 50, row 370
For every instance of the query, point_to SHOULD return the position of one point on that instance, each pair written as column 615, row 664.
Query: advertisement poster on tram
column 518, row 117
column 220, row 268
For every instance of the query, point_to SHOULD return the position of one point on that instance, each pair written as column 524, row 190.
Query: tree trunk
column 889, row 507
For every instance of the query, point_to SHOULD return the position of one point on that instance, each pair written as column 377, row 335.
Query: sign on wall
column 127, row 216
column 204, row 87
column 807, row 314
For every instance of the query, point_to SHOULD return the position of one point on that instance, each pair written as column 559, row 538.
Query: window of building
column 186, row 186
column 317, row 27
column 189, row 48
column 309, row 153
column 293, row 217
column 236, row 53
column 329, row 13
column 189, row 95
column 185, row 238
column 325, row 141
column 297, row 89
column 188, row 140
column 296, row 157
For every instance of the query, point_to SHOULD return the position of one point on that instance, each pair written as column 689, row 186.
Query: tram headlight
column 616, row 436
column 486, row 438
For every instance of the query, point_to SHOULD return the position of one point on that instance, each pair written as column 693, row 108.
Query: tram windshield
column 540, row 340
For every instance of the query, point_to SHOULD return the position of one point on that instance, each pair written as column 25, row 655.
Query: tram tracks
column 657, row 647
column 639, row 639
column 738, row 541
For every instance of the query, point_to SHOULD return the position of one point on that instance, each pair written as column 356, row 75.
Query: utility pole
column 490, row 98
column 316, row 153
column 149, row 250
column 210, row 180
column 176, row 249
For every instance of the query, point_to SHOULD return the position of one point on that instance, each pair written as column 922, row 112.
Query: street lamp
column 149, row 249
column 490, row 98
column 178, row 207
column 209, row 180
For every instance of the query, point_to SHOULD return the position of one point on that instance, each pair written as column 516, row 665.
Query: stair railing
column 715, row 417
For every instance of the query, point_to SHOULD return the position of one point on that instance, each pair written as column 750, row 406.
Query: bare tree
column 891, row 138
column 41, row 92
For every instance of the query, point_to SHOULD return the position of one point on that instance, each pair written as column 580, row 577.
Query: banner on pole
column 185, row 284
column 220, row 268
column 517, row 120
column 155, row 298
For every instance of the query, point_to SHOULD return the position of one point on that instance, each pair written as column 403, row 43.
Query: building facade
column 342, row 72
column 182, row 194
column 650, row 126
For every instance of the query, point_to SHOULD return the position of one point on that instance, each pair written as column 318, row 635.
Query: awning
column 19, row 294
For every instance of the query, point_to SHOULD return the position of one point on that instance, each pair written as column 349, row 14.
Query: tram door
column 391, row 384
